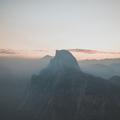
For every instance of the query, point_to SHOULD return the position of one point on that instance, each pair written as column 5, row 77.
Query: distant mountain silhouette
column 102, row 68
column 63, row 92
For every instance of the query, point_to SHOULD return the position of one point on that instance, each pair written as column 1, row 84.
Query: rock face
column 63, row 92
column 63, row 60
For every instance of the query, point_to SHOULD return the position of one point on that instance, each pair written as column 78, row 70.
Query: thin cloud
column 8, row 52
column 80, row 54
column 85, row 51
column 88, row 51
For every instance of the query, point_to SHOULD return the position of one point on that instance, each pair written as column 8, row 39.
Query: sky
column 60, row 24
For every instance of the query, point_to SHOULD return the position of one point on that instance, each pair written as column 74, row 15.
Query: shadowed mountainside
column 63, row 92
column 102, row 68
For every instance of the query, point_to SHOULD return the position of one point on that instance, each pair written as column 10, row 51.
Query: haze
column 48, row 24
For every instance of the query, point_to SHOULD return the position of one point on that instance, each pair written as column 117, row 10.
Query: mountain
column 115, row 80
column 63, row 92
column 15, row 75
column 102, row 68
column 63, row 60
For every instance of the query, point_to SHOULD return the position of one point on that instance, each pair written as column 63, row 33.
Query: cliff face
column 63, row 92
column 63, row 60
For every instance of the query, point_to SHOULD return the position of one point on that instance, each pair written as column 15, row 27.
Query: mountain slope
column 63, row 92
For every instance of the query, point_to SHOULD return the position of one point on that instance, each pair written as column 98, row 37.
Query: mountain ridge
column 70, row 95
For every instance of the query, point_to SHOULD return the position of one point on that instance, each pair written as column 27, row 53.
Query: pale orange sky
column 80, row 54
column 49, row 24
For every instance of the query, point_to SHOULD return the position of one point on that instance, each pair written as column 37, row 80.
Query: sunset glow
column 61, row 24
column 80, row 54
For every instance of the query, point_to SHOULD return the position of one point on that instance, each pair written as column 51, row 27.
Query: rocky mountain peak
column 64, row 59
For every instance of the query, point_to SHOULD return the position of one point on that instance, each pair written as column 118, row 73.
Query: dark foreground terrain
column 62, row 91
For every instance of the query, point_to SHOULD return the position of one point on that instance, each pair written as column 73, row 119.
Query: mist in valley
column 16, row 75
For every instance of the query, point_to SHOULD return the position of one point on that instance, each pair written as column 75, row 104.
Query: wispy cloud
column 25, row 53
column 80, row 54
column 8, row 52
column 88, row 51
column 84, row 51
column 83, row 54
